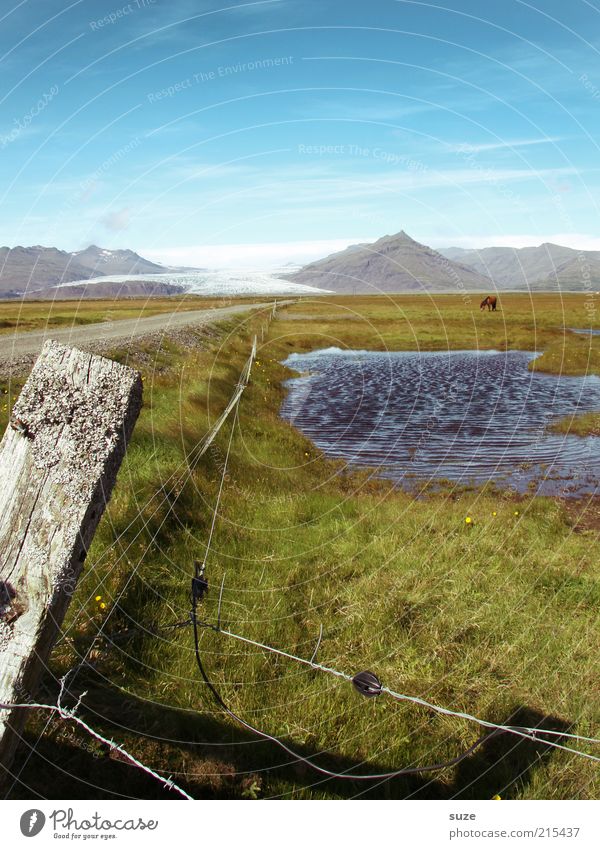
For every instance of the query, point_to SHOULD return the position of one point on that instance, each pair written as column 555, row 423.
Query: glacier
column 215, row 283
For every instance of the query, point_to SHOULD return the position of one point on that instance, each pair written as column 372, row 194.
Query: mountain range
column 36, row 270
column 398, row 263
column 395, row 263
column 546, row 266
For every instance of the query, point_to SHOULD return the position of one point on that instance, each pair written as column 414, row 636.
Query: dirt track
column 18, row 351
column 15, row 346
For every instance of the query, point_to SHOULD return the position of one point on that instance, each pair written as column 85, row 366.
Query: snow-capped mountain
column 102, row 262
column 24, row 270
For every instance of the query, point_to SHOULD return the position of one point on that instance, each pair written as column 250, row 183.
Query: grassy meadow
column 42, row 315
column 416, row 322
column 497, row 617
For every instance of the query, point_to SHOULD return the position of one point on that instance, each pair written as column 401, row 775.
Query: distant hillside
column 37, row 269
column 547, row 266
column 102, row 262
column 392, row 264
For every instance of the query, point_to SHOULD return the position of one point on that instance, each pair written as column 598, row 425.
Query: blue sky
column 259, row 133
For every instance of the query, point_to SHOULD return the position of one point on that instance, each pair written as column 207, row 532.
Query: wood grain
column 59, row 460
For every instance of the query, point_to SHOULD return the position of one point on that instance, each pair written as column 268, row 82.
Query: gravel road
column 18, row 351
column 17, row 345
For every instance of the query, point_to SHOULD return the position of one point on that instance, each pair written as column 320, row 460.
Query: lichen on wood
column 59, row 460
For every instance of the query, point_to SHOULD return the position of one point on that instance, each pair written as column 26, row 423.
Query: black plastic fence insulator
column 199, row 588
column 367, row 684
column 199, row 583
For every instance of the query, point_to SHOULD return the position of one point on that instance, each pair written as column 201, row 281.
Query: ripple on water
column 466, row 416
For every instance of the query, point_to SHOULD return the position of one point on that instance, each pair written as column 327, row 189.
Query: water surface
column 585, row 331
column 465, row 416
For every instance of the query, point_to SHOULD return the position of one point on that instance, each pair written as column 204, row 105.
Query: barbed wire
column 69, row 714
column 199, row 449
column 537, row 734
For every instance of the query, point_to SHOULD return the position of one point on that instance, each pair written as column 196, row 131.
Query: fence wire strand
column 70, row 714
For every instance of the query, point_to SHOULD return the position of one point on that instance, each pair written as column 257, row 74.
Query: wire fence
column 69, row 714
column 366, row 682
column 199, row 586
column 537, row 734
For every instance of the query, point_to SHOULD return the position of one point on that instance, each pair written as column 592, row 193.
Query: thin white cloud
column 323, row 187
column 372, row 184
column 393, row 111
column 467, row 147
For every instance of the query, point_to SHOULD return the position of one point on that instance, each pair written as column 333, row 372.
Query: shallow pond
column 589, row 331
column 465, row 416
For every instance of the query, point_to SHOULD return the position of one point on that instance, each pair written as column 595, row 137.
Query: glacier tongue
column 218, row 282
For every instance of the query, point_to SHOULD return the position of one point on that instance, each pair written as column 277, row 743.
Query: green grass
column 411, row 322
column 498, row 618
column 585, row 424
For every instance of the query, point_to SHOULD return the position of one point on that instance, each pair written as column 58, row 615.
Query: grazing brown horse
column 489, row 302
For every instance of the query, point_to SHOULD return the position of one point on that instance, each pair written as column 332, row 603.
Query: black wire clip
column 199, row 583
column 367, row 684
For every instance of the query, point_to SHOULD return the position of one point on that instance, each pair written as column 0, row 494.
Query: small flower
column 494, row 513
column 468, row 521
column 98, row 598
column 496, row 798
column 516, row 512
column 102, row 606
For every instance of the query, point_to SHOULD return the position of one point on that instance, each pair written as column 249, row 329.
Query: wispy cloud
column 509, row 144
column 348, row 184
column 351, row 110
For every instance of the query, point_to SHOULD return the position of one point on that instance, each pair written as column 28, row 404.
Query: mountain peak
column 401, row 236
column 394, row 263
column 94, row 248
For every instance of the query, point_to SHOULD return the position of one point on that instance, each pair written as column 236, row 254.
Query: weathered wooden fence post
column 59, row 459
